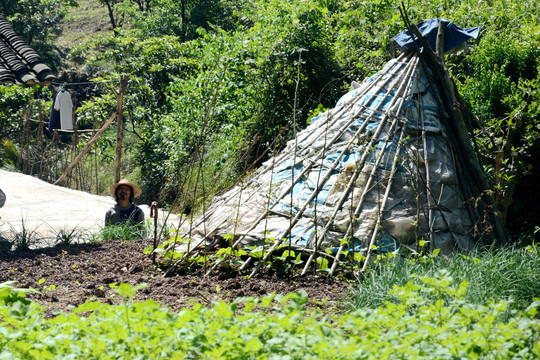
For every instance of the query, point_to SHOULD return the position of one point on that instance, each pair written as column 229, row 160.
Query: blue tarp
column 454, row 35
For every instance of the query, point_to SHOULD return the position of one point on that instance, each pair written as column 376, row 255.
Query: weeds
column 66, row 237
column 25, row 238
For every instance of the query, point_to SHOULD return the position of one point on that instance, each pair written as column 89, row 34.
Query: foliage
column 8, row 154
column 504, row 93
column 430, row 319
column 123, row 231
column 13, row 101
column 184, row 18
column 505, row 274
column 188, row 96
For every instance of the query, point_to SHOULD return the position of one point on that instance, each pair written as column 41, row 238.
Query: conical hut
column 386, row 168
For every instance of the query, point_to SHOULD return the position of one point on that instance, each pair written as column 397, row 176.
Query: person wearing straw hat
column 125, row 210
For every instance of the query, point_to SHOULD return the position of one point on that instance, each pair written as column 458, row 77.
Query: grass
column 125, row 231
column 27, row 238
column 495, row 275
column 22, row 239
column 66, row 237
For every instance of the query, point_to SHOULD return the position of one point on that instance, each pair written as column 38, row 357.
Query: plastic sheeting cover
column 454, row 35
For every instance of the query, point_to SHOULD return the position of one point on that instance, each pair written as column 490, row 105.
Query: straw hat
column 136, row 190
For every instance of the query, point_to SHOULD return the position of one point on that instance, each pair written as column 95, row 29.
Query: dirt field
column 84, row 271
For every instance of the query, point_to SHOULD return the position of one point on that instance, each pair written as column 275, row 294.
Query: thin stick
column 428, row 182
column 385, row 199
column 120, row 128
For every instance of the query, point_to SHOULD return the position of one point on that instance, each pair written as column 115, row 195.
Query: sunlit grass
column 495, row 275
column 83, row 22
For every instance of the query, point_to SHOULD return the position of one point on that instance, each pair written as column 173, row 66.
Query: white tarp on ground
column 46, row 209
column 341, row 164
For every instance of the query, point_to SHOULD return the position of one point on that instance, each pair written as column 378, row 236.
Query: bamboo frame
column 395, row 66
column 409, row 70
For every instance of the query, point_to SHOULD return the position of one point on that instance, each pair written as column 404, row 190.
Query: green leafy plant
column 428, row 317
column 123, row 231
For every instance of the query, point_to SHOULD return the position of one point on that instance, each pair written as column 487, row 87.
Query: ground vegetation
column 106, row 300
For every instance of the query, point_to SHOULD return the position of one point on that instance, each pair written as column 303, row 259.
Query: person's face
column 123, row 192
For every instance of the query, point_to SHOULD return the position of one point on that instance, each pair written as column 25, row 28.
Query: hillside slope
column 83, row 22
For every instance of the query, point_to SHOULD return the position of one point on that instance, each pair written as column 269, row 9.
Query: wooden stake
column 40, row 137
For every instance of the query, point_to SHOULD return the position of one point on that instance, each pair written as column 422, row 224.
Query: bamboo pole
column 119, row 136
column 376, row 134
column 84, row 151
column 428, row 181
column 383, row 204
column 40, row 137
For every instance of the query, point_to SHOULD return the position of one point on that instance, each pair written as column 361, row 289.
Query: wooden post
column 84, row 151
column 439, row 47
column 24, row 156
column 120, row 98
column 74, row 144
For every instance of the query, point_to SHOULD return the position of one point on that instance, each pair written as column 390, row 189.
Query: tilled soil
column 85, row 271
